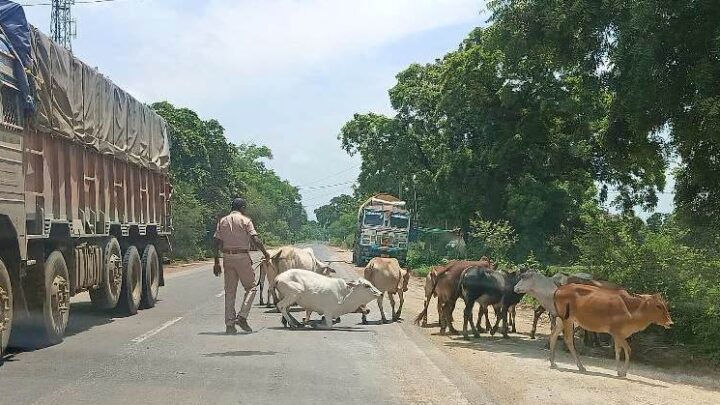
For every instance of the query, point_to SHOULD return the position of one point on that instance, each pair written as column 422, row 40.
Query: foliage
column 342, row 231
column 331, row 212
column 492, row 239
column 643, row 260
column 207, row 172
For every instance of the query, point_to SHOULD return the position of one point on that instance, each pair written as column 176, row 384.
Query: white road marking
column 220, row 294
column 155, row 331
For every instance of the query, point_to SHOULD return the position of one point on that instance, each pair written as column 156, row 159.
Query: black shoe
column 230, row 330
column 242, row 323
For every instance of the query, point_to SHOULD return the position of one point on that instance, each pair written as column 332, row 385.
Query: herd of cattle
column 296, row 276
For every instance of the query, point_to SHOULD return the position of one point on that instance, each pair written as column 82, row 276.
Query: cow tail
column 262, row 275
column 423, row 314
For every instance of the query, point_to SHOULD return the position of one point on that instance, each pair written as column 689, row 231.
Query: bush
column 646, row 261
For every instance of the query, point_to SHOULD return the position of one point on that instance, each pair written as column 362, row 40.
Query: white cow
column 330, row 297
column 289, row 257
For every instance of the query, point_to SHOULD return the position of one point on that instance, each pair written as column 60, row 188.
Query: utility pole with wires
column 63, row 28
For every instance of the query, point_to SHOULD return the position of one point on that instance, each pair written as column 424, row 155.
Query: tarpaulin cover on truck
column 75, row 101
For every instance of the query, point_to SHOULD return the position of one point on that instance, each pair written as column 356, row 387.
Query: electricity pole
column 63, row 27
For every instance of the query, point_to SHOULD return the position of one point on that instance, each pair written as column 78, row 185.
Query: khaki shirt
column 235, row 231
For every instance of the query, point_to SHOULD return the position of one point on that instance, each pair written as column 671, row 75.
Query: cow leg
column 478, row 324
column 569, row 337
column 555, row 332
column 626, row 347
column 283, row 306
column 536, row 316
column 260, row 288
column 467, row 316
column 441, row 317
column 308, row 314
column 392, row 306
column 424, row 319
column 504, row 314
column 513, row 328
column 618, row 349
column 448, row 316
column 497, row 322
column 402, row 301
column 383, row 319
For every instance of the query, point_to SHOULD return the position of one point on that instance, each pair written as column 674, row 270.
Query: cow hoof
column 505, row 336
column 553, row 366
column 466, row 337
column 284, row 322
column 384, row 320
column 424, row 324
column 622, row 374
column 364, row 322
column 477, row 335
column 532, row 337
column 336, row 320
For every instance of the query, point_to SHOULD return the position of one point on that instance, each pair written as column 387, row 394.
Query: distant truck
column 383, row 229
column 84, row 188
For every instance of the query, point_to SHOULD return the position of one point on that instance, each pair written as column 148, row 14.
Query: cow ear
column 329, row 270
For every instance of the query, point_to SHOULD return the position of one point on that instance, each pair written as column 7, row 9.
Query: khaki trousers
column 238, row 267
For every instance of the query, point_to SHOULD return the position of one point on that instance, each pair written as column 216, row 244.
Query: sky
column 283, row 73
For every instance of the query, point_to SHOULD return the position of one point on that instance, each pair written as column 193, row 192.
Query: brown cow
column 609, row 311
column 447, row 287
column 388, row 277
column 429, row 293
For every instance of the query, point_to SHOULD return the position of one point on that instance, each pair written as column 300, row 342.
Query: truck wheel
column 6, row 308
column 150, row 277
column 131, row 290
column 56, row 300
column 108, row 293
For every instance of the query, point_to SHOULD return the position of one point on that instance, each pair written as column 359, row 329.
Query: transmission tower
column 62, row 26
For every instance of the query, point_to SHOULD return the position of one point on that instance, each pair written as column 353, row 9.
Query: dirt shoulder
column 178, row 267
column 516, row 370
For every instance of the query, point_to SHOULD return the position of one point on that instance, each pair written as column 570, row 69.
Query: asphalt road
column 177, row 353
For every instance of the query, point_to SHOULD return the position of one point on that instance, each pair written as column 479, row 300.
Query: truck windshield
column 373, row 218
column 399, row 221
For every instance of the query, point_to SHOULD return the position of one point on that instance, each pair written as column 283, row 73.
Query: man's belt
column 235, row 251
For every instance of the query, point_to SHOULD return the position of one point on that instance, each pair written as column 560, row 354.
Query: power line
column 76, row 2
column 331, row 175
column 324, row 186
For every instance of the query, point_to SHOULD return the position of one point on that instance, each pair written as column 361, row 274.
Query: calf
column 330, row 297
column 605, row 310
column 388, row 277
column 488, row 287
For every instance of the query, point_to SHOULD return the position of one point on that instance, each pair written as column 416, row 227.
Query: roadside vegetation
column 523, row 136
column 208, row 171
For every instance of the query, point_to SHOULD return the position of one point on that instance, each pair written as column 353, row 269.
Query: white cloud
column 226, row 45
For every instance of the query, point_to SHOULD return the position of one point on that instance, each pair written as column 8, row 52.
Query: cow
column 387, row 276
column 330, row 297
column 488, row 287
column 542, row 288
column 289, row 257
column 445, row 285
column 598, row 309
column 429, row 293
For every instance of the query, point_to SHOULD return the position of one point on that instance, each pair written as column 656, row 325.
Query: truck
column 383, row 229
column 84, row 188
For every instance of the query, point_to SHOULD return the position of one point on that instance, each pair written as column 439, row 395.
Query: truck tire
column 107, row 295
column 55, row 313
column 150, row 277
column 6, row 308
column 131, row 290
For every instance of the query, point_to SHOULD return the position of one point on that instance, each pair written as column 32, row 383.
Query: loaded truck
column 84, row 188
column 383, row 229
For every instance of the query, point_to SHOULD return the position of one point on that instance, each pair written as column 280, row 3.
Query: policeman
column 233, row 237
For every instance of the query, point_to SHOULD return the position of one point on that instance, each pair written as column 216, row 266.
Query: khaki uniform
column 235, row 232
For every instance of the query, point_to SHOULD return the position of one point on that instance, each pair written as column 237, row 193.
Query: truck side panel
column 88, row 192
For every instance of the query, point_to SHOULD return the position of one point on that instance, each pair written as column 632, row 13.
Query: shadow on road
column 241, row 353
column 335, row 329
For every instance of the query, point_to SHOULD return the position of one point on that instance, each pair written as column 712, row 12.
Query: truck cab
column 383, row 229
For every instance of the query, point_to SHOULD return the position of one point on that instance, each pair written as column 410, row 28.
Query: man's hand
column 217, row 270
column 266, row 255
